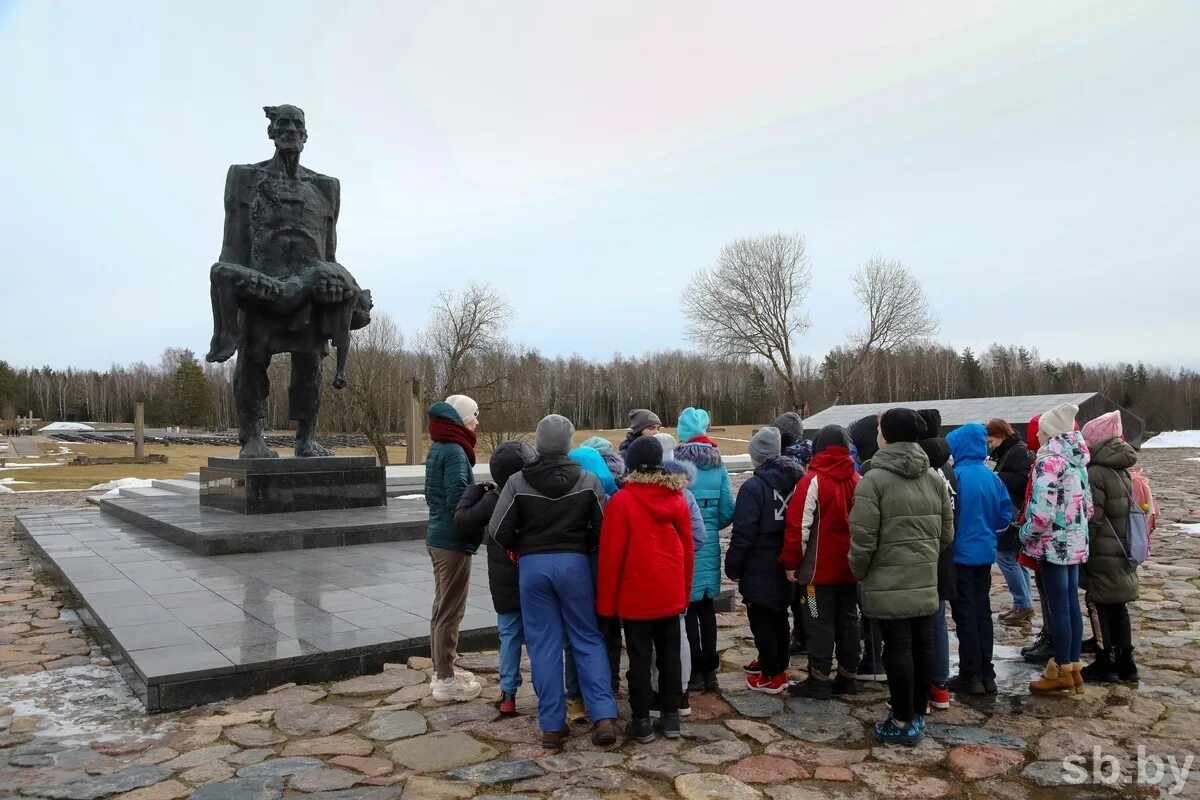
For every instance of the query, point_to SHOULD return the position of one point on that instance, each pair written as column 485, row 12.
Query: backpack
column 1144, row 497
column 1138, row 528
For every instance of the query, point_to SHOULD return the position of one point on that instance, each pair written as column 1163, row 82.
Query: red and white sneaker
column 939, row 697
column 752, row 668
column 768, row 684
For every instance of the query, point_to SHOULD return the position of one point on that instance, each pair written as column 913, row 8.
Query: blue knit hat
column 598, row 443
column 693, row 422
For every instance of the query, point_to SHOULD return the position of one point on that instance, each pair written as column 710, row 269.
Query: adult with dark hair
column 1108, row 577
column 938, row 451
column 549, row 514
column 448, row 473
column 642, row 422
column 1013, row 463
column 901, row 521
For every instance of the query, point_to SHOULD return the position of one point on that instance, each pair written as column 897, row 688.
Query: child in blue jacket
column 983, row 513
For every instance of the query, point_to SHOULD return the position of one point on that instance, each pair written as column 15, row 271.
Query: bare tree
column 749, row 304
column 369, row 402
column 897, row 310
column 463, row 327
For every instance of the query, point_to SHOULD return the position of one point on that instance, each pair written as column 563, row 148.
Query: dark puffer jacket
column 475, row 511
column 1014, row 462
column 550, row 506
column 759, row 519
column 1107, row 575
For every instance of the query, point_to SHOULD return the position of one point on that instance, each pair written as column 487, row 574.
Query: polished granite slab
column 181, row 520
column 289, row 485
column 186, row 629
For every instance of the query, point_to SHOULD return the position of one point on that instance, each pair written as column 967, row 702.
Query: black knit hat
column 831, row 436
column 902, row 425
column 864, row 433
column 645, row 454
column 933, row 422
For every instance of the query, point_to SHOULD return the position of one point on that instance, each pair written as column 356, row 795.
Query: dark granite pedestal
column 286, row 485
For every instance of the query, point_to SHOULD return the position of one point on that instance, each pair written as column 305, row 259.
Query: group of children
column 589, row 549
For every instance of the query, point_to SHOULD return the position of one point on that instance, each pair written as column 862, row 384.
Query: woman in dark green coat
column 1107, row 576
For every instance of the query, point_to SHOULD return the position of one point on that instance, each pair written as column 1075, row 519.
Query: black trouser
column 770, row 629
column 1114, row 630
column 908, row 657
column 872, row 643
column 972, row 611
column 799, row 613
column 658, row 639
column 1044, row 601
column 702, row 635
column 832, row 620
column 610, row 629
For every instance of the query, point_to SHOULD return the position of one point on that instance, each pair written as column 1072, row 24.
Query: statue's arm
column 235, row 247
column 331, row 236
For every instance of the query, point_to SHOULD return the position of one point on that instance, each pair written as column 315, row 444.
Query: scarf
column 701, row 439
column 443, row 430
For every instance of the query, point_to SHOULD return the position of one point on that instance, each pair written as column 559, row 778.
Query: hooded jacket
column 699, row 534
column 900, row 523
column 1013, row 464
column 593, row 461
column 646, row 550
column 714, row 494
column 759, row 519
column 475, row 511
column 1107, row 574
column 550, row 506
column 1060, row 502
column 937, row 450
column 447, row 475
column 983, row 508
column 817, row 536
column 864, row 434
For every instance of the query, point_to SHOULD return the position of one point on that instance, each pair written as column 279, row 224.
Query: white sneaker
column 456, row 691
column 464, row 674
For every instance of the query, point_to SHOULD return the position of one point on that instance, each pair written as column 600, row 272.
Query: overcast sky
column 1036, row 164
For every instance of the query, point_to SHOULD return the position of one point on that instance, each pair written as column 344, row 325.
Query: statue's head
column 286, row 127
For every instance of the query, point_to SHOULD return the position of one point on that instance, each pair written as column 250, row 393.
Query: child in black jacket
column 471, row 519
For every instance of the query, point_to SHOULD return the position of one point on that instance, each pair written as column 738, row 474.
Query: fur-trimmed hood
column 675, row 481
column 680, row 468
column 701, row 455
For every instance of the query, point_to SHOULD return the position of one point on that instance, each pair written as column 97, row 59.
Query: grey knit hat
column 554, row 434
column 642, row 418
column 791, row 428
column 764, row 444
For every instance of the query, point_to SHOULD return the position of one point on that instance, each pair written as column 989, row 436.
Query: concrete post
column 413, row 429
column 139, row 432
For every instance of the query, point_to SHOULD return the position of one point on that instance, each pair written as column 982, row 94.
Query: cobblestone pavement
column 69, row 728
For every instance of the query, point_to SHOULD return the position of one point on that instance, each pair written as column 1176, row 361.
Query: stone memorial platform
column 287, row 485
column 187, row 629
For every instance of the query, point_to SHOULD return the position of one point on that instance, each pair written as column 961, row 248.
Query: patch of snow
column 1175, row 439
column 32, row 464
column 62, row 451
column 12, row 480
column 1193, row 527
column 5, row 490
column 79, row 704
column 409, row 497
column 113, row 488
column 66, row 426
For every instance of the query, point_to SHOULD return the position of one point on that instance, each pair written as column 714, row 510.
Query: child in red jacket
column 816, row 546
column 645, row 578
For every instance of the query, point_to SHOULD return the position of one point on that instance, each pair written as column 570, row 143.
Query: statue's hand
column 330, row 289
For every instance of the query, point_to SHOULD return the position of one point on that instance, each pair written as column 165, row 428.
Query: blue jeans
column 1016, row 577
column 1066, row 620
column 557, row 599
column 512, row 636
column 941, row 646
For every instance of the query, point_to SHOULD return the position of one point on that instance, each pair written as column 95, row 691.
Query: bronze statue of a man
column 278, row 288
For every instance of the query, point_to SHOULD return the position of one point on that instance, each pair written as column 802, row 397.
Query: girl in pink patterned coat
column 1055, row 534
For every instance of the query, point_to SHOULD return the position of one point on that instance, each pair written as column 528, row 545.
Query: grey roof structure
column 1017, row 410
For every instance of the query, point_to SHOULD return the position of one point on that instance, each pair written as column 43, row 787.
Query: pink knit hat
column 1102, row 428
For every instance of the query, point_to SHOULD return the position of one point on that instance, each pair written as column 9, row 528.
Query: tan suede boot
column 1077, row 676
column 1054, row 680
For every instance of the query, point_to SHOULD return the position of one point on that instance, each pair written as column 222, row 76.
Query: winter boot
column 1103, row 669
column 1042, row 650
column 1126, row 668
column 1054, row 681
column 1077, row 676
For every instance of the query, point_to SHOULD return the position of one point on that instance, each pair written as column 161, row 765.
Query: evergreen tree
column 972, row 374
column 191, row 399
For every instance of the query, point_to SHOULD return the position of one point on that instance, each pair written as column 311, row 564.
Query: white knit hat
column 1056, row 421
column 468, row 409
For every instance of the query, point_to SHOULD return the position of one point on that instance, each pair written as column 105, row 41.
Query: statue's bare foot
column 339, row 381
column 310, row 448
column 221, row 348
column 257, row 448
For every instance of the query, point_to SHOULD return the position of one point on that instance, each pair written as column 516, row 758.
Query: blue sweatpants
column 557, row 597
column 512, row 636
